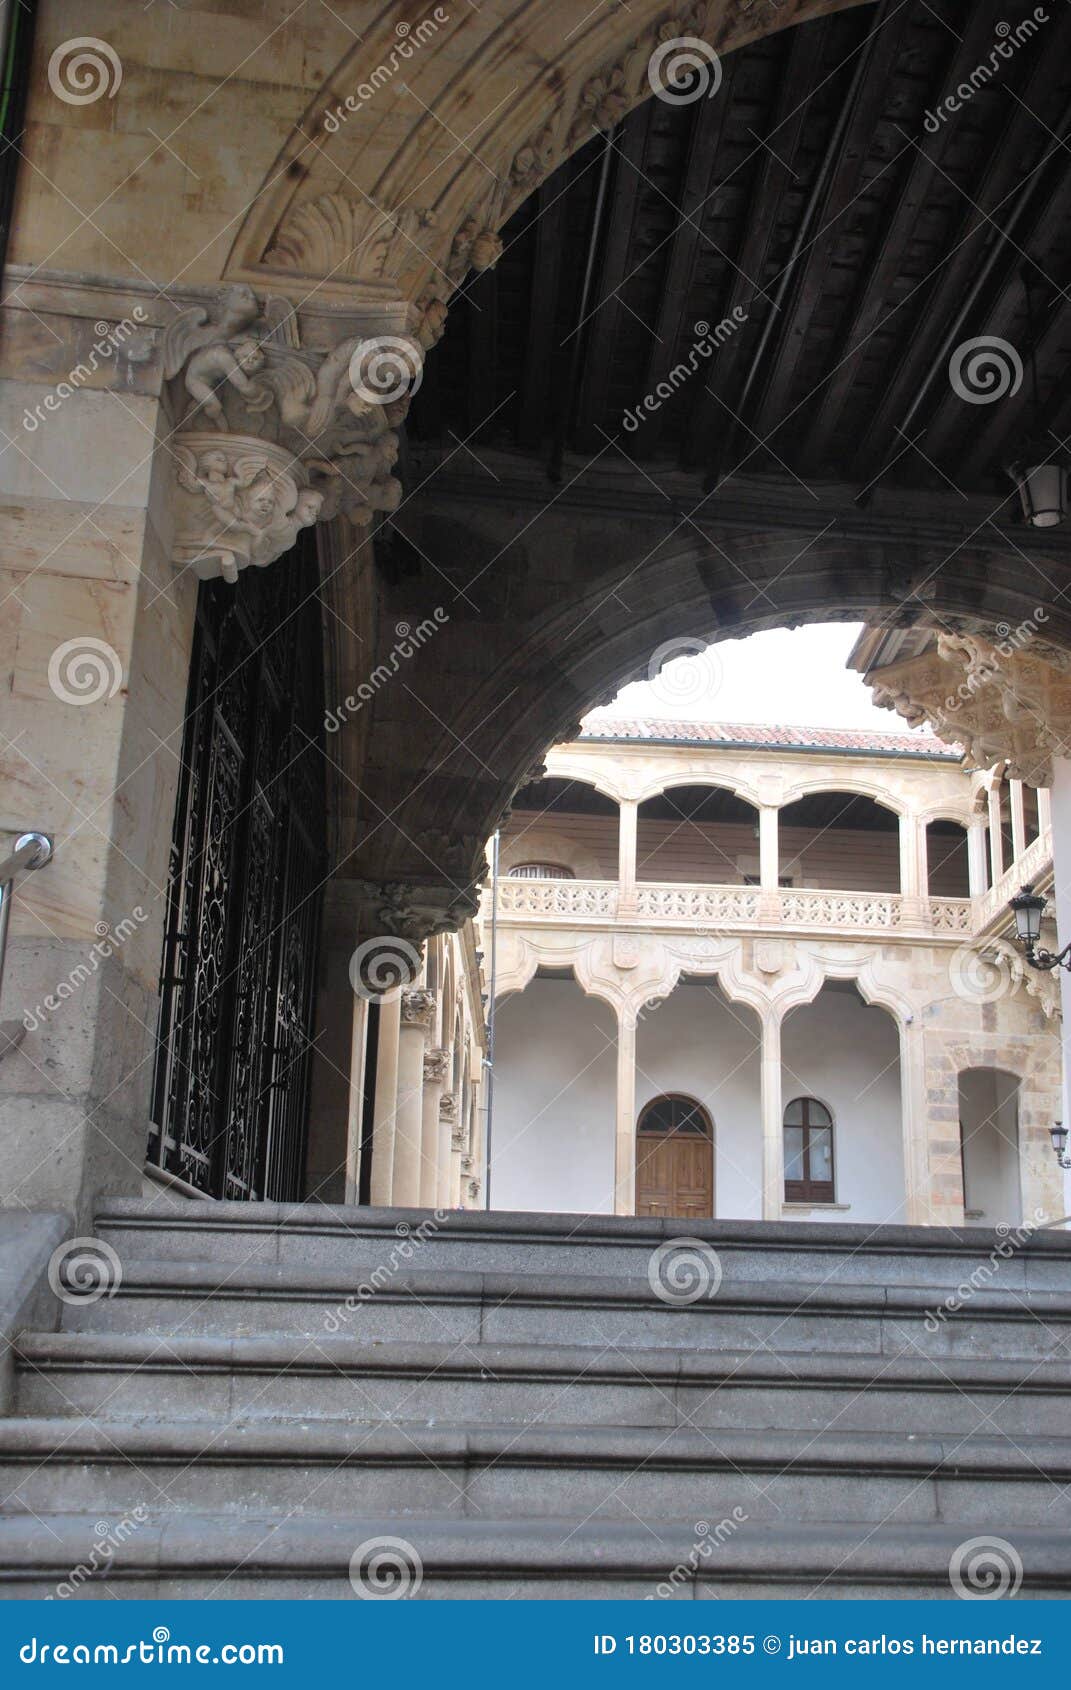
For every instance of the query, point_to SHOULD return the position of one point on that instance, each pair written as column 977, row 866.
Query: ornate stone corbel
column 271, row 436
column 418, row 1008
column 448, row 1106
column 459, row 1138
column 435, row 1066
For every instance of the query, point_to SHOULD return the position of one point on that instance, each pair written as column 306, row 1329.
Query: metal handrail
column 32, row 850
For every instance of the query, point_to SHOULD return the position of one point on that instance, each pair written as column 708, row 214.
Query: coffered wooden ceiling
column 809, row 194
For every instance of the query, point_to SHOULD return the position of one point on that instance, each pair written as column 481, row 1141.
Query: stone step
column 207, row 1556
column 118, row 1376
column 324, row 1467
column 190, row 1298
column 368, row 1244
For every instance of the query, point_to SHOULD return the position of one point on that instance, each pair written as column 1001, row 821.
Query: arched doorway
column 675, row 1159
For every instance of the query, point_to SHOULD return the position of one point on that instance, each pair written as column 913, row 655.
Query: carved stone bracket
column 435, row 1066
column 402, row 910
column 448, row 1106
column 459, row 1137
column 418, row 1009
column 1004, row 701
column 273, row 437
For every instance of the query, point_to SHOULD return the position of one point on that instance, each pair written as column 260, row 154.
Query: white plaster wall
column 696, row 1042
column 555, row 1095
column 989, row 1114
column 847, row 1054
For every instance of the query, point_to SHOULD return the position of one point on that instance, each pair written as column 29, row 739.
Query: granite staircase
column 294, row 1400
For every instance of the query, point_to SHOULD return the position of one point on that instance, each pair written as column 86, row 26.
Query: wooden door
column 675, row 1174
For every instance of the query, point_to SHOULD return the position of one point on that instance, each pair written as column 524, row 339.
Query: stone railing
column 951, row 915
column 729, row 908
column 722, row 906
column 556, row 897
column 840, row 910
column 1028, row 868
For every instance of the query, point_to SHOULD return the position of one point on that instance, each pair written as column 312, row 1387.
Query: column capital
column 435, row 1066
column 273, row 436
column 418, row 1009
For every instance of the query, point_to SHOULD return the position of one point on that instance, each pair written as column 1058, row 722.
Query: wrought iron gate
column 247, row 864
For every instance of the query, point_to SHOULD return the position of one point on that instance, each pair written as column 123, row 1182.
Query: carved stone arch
column 858, row 786
column 372, row 187
column 660, row 783
column 563, row 764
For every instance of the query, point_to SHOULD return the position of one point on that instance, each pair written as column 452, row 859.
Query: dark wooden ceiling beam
column 708, row 126
column 989, row 206
column 612, row 274
column 713, row 415
column 885, row 49
column 541, row 351
column 878, row 285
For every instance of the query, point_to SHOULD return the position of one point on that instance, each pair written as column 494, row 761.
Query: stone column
column 912, row 873
column 435, row 1068
column 1044, row 809
column 1018, row 818
column 996, row 837
column 626, row 856
column 977, row 867
column 769, row 848
column 625, row 1135
column 386, row 1101
column 417, row 1009
column 772, row 1111
column 444, row 1191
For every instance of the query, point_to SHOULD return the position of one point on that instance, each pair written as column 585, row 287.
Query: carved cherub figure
column 216, row 353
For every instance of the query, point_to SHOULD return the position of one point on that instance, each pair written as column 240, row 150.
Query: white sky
column 795, row 676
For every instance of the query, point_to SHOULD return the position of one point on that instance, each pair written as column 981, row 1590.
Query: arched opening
column 840, row 1077
column 555, row 1067
column 697, row 834
column 989, row 1147
column 840, row 841
column 948, row 873
column 675, row 1158
column 560, row 830
column 699, row 1044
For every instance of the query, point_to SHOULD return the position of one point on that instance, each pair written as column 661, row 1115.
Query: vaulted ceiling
column 859, row 243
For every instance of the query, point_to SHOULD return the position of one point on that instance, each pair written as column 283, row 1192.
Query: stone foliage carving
column 401, row 910
column 272, row 437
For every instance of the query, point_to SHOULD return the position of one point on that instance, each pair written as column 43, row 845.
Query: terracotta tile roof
column 862, row 741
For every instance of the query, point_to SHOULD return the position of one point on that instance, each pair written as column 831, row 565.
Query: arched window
column 540, row 871
column 674, row 1114
column 808, row 1152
